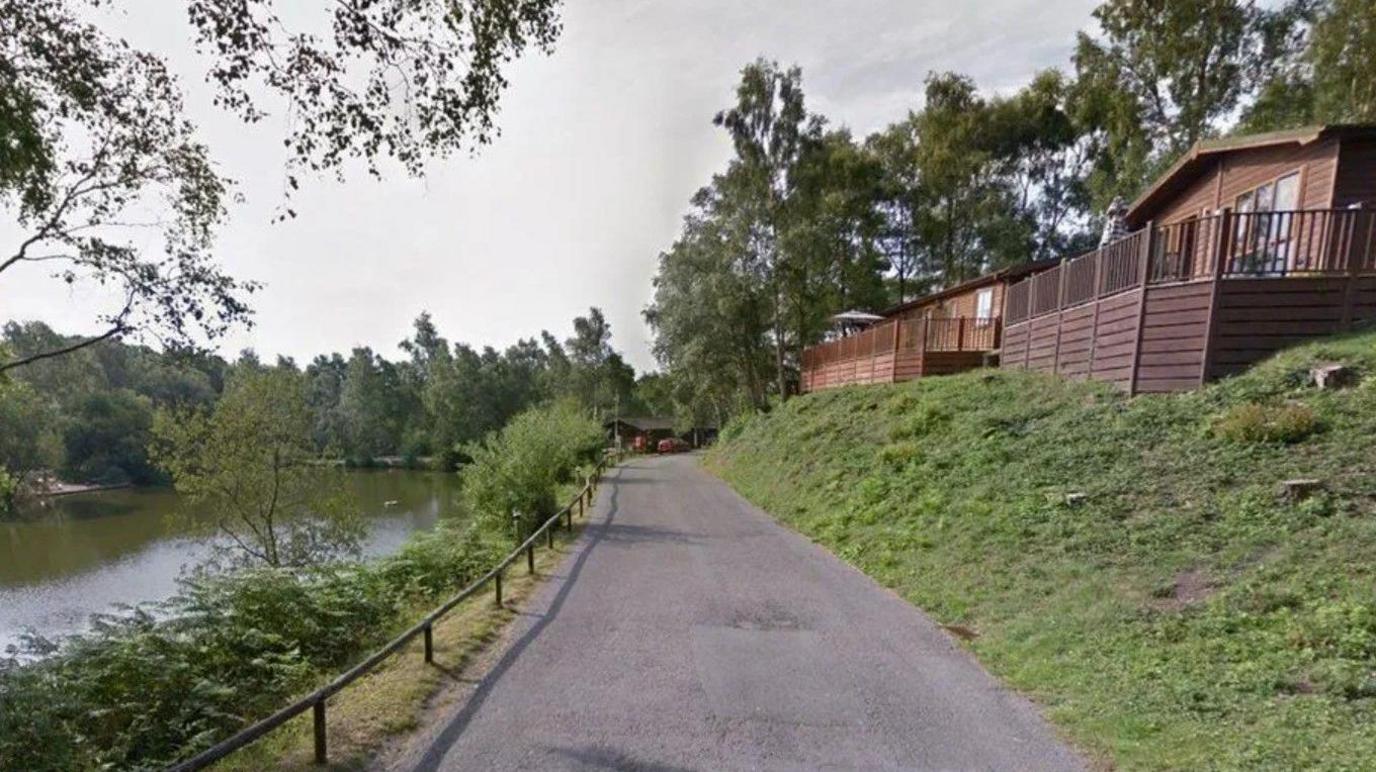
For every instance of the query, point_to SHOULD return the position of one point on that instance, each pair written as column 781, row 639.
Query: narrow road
column 688, row 630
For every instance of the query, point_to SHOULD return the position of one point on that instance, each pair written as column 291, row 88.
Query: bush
column 155, row 685
column 520, row 468
column 1254, row 422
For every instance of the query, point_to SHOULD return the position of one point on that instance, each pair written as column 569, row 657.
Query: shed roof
column 644, row 423
column 1205, row 152
column 1003, row 274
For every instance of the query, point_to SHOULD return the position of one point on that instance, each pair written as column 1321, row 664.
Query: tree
column 1325, row 74
column 370, row 406
column 599, row 378
column 1043, row 152
column 107, row 439
column 98, row 151
column 830, row 239
column 1161, row 75
column 517, row 470
column 249, row 465
column 29, row 440
column 104, row 155
column 899, row 204
column 769, row 127
column 712, row 313
column 405, row 79
column 970, row 220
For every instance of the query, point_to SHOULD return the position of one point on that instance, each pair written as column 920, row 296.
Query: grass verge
column 1130, row 563
column 391, row 701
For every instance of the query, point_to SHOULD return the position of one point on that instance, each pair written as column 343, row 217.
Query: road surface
column 688, row 630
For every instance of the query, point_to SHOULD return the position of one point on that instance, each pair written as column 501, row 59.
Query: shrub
column 519, row 468
column 141, row 690
column 1255, row 422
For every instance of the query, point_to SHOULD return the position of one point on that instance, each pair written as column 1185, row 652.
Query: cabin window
column 1265, row 220
column 984, row 307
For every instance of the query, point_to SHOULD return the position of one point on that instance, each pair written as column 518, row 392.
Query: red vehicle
column 672, row 445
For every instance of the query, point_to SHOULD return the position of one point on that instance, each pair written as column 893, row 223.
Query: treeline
column 87, row 417
column 808, row 220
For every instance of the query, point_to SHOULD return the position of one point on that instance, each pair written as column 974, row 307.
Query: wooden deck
column 900, row 350
column 1166, row 309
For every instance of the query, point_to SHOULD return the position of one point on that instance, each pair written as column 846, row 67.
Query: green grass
column 1174, row 612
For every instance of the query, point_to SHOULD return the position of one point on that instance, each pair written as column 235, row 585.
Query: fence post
column 1225, row 226
column 922, row 349
column 530, row 558
column 549, row 538
column 1062, row 274
column 893, row 363
column 1354, row 260
column 319, row 710
column 429, row 645
column 960, row 334
column 498, row 579
column 1143, row 265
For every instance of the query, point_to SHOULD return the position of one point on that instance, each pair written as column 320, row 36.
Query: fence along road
column 317, row 700
column 688, row 630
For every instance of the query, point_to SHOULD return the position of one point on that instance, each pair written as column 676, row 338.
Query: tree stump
column 1295, row 491
column 1331, row 375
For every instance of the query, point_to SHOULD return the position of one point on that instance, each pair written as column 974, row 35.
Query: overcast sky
column 602, row 145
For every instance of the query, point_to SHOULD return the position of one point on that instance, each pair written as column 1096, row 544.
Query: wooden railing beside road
column 316, row 701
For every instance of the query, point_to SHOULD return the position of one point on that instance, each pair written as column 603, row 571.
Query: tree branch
column 118, row 329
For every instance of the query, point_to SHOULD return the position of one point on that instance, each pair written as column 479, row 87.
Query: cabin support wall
column 1173, row 337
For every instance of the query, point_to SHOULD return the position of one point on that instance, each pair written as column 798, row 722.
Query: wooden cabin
column 943, row 332
column 639, row 434
column 1244, row 246
column 643, row 434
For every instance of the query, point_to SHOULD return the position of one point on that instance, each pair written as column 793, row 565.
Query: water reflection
column 82, row 554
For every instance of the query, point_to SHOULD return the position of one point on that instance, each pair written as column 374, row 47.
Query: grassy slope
column 1181, row 616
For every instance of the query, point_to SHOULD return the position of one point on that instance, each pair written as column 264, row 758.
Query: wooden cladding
column 1095, row 340
column 1173, row 337
column 900, row 350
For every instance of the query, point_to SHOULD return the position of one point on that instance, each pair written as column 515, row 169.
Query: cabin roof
column 1204, row 153
column 1003, row 274
column 644, row 423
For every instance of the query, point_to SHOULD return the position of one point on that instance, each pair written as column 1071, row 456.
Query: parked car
column 672, row 445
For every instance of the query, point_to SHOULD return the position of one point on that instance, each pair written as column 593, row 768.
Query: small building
column 1244, row 246
column 948, row 331
column 643, row 434
column 639, row 434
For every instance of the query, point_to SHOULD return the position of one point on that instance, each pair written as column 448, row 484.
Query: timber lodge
column 1243, row 247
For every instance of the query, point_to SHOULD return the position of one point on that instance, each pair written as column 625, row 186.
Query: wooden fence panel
column 1173, row 337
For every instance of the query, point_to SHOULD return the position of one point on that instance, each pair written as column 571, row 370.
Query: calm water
column 87, row 552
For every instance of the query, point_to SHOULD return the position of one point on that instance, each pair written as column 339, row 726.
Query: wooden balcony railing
column 1309, row 242
column 953, row 334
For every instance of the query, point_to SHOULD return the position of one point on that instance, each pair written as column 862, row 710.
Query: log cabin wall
column 1355, row 181
column 1238, row 172
column 961, row 304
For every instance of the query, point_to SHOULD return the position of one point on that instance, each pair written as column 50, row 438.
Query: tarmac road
column 689, row 630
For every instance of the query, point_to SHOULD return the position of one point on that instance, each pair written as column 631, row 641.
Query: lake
column 84, row 553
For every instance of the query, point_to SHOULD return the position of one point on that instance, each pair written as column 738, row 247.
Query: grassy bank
column 1127, row 562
